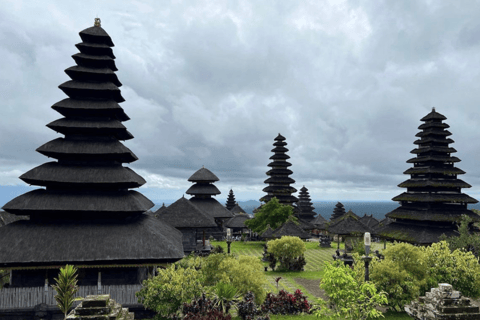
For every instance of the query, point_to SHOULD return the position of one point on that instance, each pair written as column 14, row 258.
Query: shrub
column 190, row 261
column 247, row 309
column 286, row 249
column 245, row 273
column 286, row 303
column 203, row 309
column 217, row 249
column 347, row 298
column 225, row 296
column 465, row 240
column 458, row 268
column 173, row 286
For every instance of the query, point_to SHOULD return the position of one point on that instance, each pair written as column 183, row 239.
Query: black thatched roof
column 289, row 228
column 305, row 205
column 203, row 189
column 369, row 221
column 268, row 233
column 237, row 210
column 306, row 225
column 203, row 175
column 417, row 234
column 279, row 177
column 433, row 197
column 184, row 214
column 6, row 218
column 160, row 210
column 230, row 200
column 318, row 221
column 94, row 108
column 212, row 207
column 137, row 239
column 338, row 211
column 347, row 224
column 238, row 221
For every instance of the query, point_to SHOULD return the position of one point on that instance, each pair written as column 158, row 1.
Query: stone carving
column 443, row 303
column 325, row 241
column 100, row 307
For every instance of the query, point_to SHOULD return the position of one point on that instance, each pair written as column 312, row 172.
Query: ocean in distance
column 325, row 208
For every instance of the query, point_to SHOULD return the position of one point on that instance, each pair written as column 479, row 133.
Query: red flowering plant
column 286, row 303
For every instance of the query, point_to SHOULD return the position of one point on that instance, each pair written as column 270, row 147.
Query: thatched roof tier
column 345, row 215
column 279, row 138
column 426, row 150
column 96, row 35
column 6, row 218
column 438, row 158
column 450, row 183
column 88, row 74
column 279, row 179
column 347, row 225
column 87, row 149
column 97, row 90
column 91, row 127
column 203, row 175
column 304, row 205
column 442, row 213
column 280, row 156
column 431, row 139
column 439, row 132
column 306, row 225
column 90, row 108
column 160, row 210
column 417, row 234
column 236, row 210
column 279, row 172
column 280, row 189
column 212, row 207
column 204, row 189
column 238, row 221
column 422, row 170
column 289, row 228
column 230, row 200
column 62, row 175
column 184, row 214
column 318, row 221
column 279, row 149
column 433, row 125
column 369, row 221
column 435, row 197
column 281, row 199
column 76, row 204
column 95, row 49
column 434, row 115
column 139, row 239
column 91, row 61
column 279, row 164
column 268, row 233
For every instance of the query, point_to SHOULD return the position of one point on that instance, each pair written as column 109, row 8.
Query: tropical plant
column 66, row 287
column 286, row 303
column 225, row 296
column 272, row 213
column 203, row 309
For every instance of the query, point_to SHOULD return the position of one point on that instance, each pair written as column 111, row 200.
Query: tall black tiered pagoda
column 279, row 181
column 338, row 211
column 202, row 192
column 433, row 202
column 304, row 205
column 230, row 200
column 86, row 215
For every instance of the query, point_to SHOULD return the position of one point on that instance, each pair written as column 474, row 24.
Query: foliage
column 247, row 308
column 401, row 274
column 358, row 246
column 4, row 277
column 66, row 288
column 465, row 240
column 273, row 213
column 190, row 261
column 244, row 272
column 347, row 298
column 286, row 303
column 225, row 296
column 286, row 250
column 173, row 286
column 203, row 309
column 458, row 268
column 217, row 249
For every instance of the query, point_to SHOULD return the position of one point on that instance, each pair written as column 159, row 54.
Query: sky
column 212, row 83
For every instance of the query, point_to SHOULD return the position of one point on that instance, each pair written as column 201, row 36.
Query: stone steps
column 100, row 307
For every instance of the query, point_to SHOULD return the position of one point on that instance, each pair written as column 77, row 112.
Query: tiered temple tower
column 338, row 211
column 279, row 181
column 433, row 202
column 230, row 200
column 305, row 206
column 202, row 192
column 85, row 215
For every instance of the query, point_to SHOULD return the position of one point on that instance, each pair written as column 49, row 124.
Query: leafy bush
column 458, row 268
column 217, row 249
column 286, row 250
column 286, row 303
column 190, row 261
column 245, row 273
column 273, row 213
column 225, row 296
column 347, row 298
column 173, row 286
column 247, row 309
column 203, row 309
column 401, row 274
column 467, row 241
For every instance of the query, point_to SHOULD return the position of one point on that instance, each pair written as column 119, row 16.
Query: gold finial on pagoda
column 97, row 22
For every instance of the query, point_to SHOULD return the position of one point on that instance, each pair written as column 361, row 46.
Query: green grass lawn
column 315, row 257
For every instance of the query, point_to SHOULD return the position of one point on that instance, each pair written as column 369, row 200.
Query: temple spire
column 304, row 205
column 230, row 201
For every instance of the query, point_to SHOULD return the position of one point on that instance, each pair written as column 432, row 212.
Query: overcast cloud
column 213, row 82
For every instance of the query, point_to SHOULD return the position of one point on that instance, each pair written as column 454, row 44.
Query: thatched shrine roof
column 435, row 197
column 212, row 207
column 160, row 210
column 268, row 233
column 204, row 189
column 369, row 221
column 230, row 200
column 94, row 108
column 203, row 175
column 319, row 222
column 440, row 213
column 238, row 221
column 289, row 228
column 418, row 234
column 184, row 214
column 305, row 225
column 6, row 218
column 96, row 127
column 237, row 210
column 138, row 239
column 347, row 224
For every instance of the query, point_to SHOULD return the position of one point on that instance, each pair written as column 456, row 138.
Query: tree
column 465, row 240
column 273, row 213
